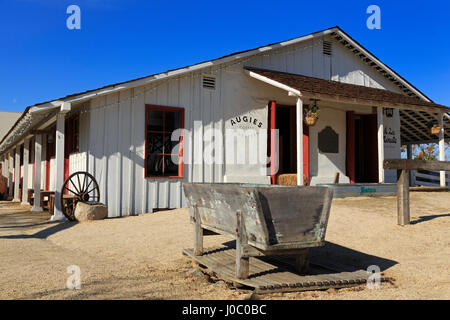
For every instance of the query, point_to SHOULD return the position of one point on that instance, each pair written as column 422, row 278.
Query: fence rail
column 428, row 178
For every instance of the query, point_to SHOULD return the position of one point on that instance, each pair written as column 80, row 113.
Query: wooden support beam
column 416, row 122
column 17, row 173
column 242, row 262
column 11, row 174
column 406, row 164
column 37, row 173
column 302, row 261
column 403, row 198
column 26, row 158
column 198, row 233
column 418, row 138
column 59, row 159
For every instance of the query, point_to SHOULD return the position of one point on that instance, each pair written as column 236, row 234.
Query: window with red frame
column 161, row 122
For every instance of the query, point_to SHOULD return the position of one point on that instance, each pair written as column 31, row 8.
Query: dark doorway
column 285, row 123
column 366, row 148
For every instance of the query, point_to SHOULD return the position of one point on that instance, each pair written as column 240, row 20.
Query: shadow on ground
column 25, row 220
column 330, row 258
column 428, row 218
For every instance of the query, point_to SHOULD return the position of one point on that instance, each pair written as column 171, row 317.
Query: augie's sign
column 245, row 120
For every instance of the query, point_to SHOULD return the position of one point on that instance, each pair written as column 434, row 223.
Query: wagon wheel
column 83, row 187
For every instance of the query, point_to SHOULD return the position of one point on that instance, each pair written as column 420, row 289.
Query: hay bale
column 289, row 179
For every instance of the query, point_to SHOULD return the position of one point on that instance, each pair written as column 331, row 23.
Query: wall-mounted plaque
column 328, row 141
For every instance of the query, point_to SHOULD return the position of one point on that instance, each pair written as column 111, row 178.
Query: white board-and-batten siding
column 114, row 152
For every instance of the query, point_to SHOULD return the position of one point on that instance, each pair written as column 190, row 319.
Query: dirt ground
column 139, row 257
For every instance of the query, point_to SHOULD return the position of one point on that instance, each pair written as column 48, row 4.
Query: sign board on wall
column 246, row 121
column 391, row 122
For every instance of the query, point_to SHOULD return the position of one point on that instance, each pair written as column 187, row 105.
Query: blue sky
column 41, row 59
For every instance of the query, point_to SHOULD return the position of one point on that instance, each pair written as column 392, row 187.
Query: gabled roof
column 335, row 32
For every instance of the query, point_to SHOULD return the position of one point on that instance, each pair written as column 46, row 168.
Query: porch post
column 59, row 160
column 380, row 144
column 412, row 181
column 441, row 147
column 17, row 174
column 299, row 114
column 5, row 168
column 37, row 173
column 26, row 157
column 10, row 174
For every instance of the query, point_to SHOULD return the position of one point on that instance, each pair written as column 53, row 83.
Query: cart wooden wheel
column 79, row 186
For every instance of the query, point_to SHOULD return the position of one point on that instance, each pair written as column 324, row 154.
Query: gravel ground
column 139, row 257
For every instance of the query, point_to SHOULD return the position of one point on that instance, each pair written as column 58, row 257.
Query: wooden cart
column 264, row 219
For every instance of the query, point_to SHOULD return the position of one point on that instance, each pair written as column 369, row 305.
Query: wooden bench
column 67, row 198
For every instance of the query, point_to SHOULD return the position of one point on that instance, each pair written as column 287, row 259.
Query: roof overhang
column 343, row 92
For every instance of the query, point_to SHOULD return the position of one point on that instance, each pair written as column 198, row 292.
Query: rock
column 90, row 211
column 196, row 272
column 221, row 284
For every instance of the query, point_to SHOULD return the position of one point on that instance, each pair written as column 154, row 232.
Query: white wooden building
column 367, row 111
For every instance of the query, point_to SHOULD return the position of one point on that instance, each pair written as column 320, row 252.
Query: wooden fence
column 428, row 178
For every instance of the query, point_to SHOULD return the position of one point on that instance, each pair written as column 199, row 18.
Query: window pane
column 155, row 120
column 154, row 142
column 171, row 168
column 169, row 144
column 154, row 165
column 172, row 120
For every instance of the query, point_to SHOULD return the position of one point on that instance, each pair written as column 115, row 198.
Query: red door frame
column 272, row 141
column 306, row 153
column 272, row 127
column 350, row 148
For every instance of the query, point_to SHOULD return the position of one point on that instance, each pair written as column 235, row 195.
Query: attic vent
column 327, row 48
column 209, row 83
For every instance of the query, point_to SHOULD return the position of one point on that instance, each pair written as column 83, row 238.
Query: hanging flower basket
column 311, row 114
column 436, row 129
column 310, row 121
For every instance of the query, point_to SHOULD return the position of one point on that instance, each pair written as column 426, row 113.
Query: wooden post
column 17, row 174
column 59, row 159
column 380, row 144
column 441, row 147
column 302, row 261
column 242, row 263
column 26, row 158
column 11, row 175
column 409, row 156
column 336, row 178
column 37, row 173
column 403, row 198
column 198, row 233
